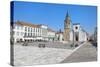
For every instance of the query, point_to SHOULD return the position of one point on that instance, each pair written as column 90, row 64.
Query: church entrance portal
column 76, row 36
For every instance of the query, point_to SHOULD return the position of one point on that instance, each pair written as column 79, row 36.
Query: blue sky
column 53, row 15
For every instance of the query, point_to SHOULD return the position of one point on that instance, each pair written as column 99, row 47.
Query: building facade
column 74, row 33
column 29, row 32
column 59, row 37
column 40, row 32
column 51, row 35
column 78, row 34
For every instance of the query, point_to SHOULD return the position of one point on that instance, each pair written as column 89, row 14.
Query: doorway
column 76, row 36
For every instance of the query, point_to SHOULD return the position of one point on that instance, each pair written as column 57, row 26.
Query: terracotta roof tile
column 27, row 24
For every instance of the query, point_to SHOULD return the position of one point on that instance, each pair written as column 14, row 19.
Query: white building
column 18, row 32
column 29, row 32
column 59, row 36
column 78, row 34
column 51, row 35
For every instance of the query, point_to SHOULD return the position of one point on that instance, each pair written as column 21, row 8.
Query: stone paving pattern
column 53, row 53
column 84, row 54
column 33, row 55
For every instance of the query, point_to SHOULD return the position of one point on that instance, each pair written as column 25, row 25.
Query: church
column 73, row 32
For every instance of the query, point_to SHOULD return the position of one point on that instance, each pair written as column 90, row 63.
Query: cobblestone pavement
column 33, row 55
column 85, row 53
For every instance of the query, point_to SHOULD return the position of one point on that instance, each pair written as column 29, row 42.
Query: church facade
column 73, row 32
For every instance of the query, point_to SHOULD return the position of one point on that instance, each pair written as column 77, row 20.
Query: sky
column 53, row 15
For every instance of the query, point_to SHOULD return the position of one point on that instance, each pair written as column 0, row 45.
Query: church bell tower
column 67, row 27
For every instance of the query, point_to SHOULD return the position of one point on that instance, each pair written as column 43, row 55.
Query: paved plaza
column 33, row 55
column 53, row 53
column 85, row 53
